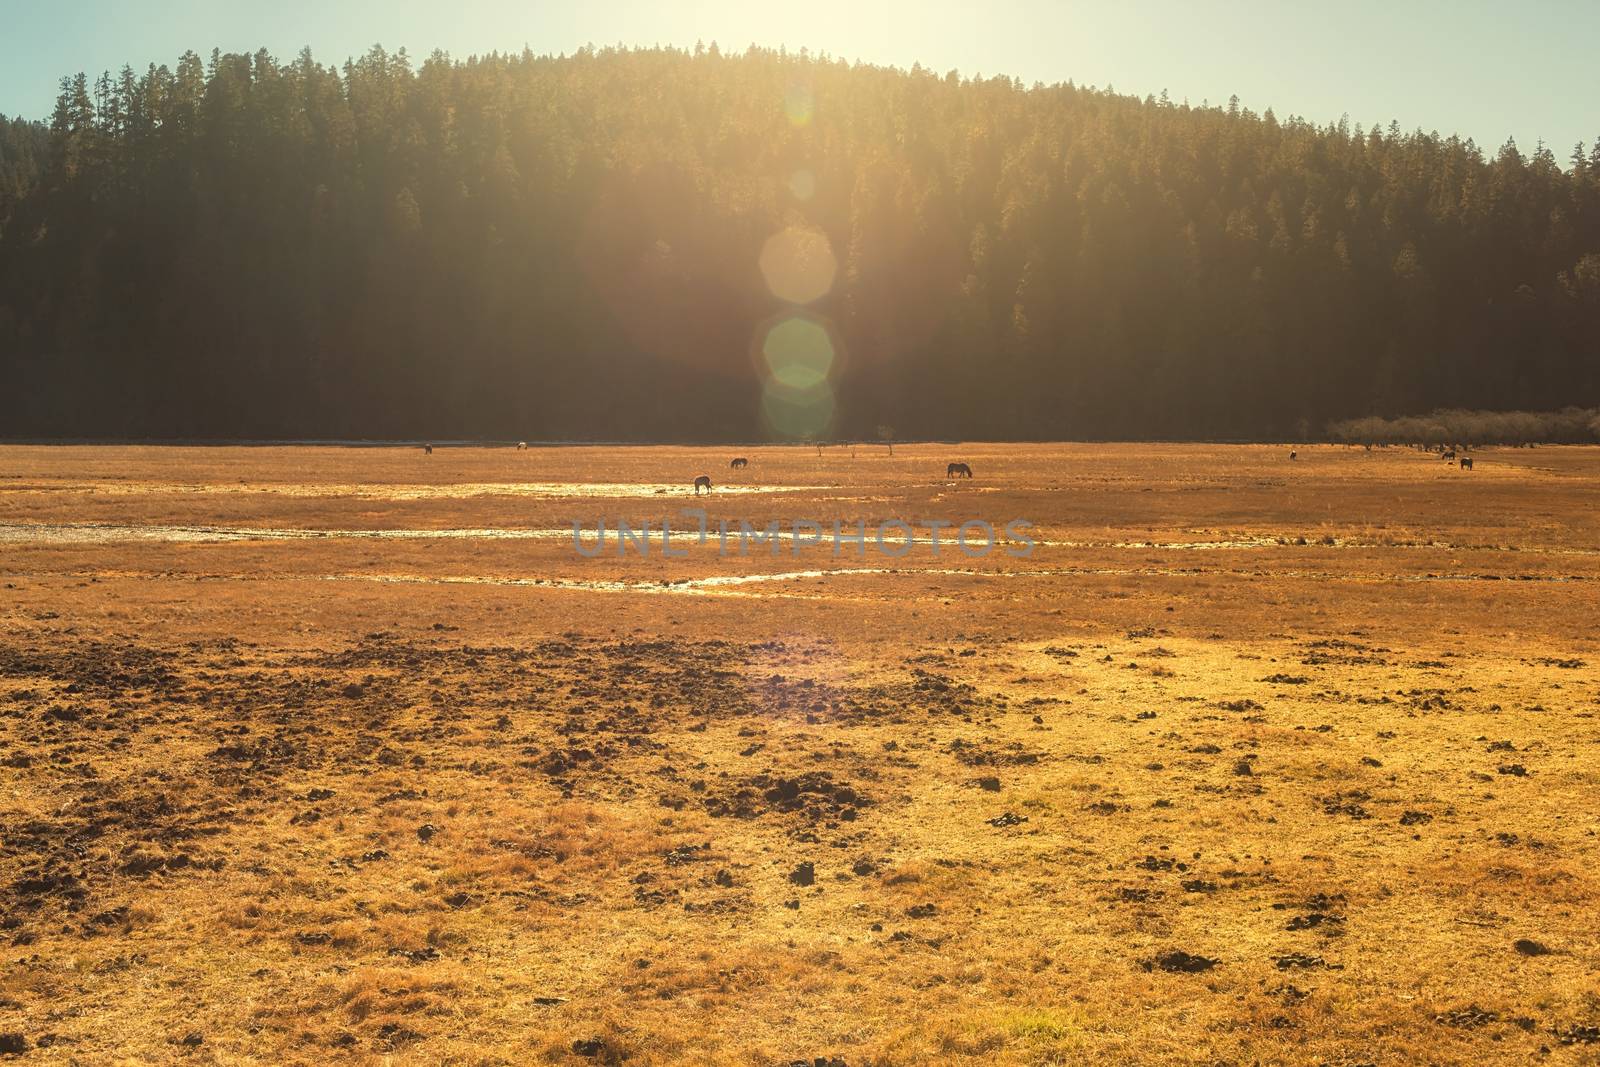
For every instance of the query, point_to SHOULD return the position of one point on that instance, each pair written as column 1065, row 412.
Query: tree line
column 23, row 144
column 535, row 247
column 1569, row 426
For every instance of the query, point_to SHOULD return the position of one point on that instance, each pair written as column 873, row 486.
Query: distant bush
column 1456, row 427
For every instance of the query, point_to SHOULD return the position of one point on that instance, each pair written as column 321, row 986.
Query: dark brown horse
column 739, row 464
column 1466, row 463
column 956, row 470
column 702, row 482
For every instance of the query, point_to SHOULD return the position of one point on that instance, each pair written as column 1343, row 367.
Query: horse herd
column 1448, row 456
column 952, row 470
column 739, row 463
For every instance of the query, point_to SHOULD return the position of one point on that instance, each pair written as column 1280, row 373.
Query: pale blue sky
column 1485, row 70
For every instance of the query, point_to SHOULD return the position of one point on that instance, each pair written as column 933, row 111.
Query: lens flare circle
column 798, row 352
column 798, row 265
column 799, row 105
column 802, row 185
column 798, row 414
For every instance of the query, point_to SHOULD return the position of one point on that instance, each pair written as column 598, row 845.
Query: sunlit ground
column 318, row 754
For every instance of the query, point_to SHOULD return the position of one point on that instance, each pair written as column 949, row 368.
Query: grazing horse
column 1466, row 463
column 522, row 446
column 1448, row 455
column 427, row 450
column 704, row 481
column 739, row 464
column 958, row 470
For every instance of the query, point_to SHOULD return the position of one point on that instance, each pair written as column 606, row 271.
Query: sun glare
column 799, row 105
column 798, row 265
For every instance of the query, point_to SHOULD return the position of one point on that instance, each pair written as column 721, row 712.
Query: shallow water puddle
column 371, row 491
column 98, row 533
column 109, row 533
column 731, row 584
column 706, row 585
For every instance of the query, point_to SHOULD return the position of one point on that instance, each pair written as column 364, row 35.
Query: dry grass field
column 315, row 755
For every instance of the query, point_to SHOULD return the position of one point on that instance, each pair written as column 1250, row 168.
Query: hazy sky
column 1486, row 70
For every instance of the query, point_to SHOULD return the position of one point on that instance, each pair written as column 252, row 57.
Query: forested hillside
column 534, row 247
column 22, row 149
